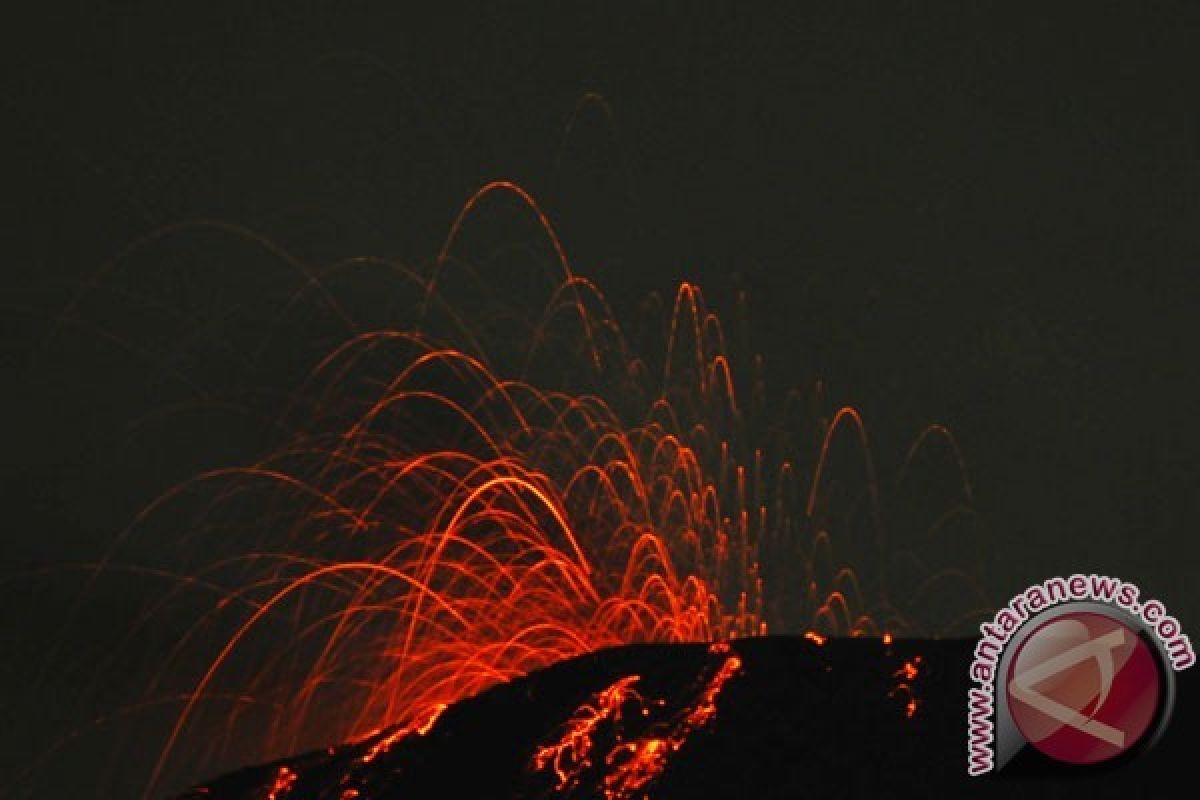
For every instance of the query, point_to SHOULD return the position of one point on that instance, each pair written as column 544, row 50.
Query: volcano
column 762, row 717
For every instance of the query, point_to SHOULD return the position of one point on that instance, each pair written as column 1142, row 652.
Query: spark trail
column 447, row 516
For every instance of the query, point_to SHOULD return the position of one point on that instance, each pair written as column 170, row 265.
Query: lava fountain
column 453, row 507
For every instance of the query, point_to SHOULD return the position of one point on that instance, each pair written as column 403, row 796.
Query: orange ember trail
column 419, row 728
column 906, row 677
column 284, row 781
column 456, row 505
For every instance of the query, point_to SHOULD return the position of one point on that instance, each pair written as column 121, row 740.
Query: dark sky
column 973, row 214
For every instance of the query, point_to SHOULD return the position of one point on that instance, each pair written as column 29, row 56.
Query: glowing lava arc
column 441, row 522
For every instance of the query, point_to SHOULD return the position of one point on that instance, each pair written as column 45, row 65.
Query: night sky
column 981, row 216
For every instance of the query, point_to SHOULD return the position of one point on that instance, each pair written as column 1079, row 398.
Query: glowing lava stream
column 571, row 754
column 631, row 764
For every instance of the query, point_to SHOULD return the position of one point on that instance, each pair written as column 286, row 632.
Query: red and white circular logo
column 1084, row 688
